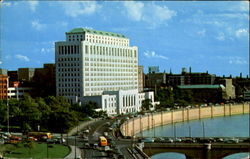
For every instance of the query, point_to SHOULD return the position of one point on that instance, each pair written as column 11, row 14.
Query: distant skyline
column 208, row 36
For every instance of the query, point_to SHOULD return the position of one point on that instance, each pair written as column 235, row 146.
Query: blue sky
column 208, row 36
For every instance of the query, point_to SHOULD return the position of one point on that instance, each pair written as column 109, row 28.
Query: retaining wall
column 138, row 124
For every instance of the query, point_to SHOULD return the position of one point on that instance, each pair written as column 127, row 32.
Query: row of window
column 109, row 51
column 68, row 74
column 111, row 84
column 111, row 60
column 111, row 74
column 107, row 74
column 68, row 80
column 108, row 69
column 69, row 94
column 114, row 79
column 69, row 85
column 128, row 100
column 68, row 69
column 99, row 39
column 68, row 59
column 100, row 90
column 116, row 65
column 68, row 49
column 68, row 64
column 69, row 90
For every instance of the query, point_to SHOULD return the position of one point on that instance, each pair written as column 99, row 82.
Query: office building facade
column 92, row 62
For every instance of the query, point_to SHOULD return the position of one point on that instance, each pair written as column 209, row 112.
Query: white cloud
column 1, row 62
column 7, row 4
column 150, row 13
column 22, row 57
column 76, row 8
column 134, row 9
column 220, row 36
column 47, row 50
column 244, row 6
column 241, row 33
column 33, row 5
column 236, row 60
column 202, row 32
column 37, row 25
column 152, row 54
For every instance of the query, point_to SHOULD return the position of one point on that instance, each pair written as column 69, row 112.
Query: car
column 148, row 140
column 231, row 141
column 51, row 141
column 105, row 134
column 31, row 138
column 86, row 131
column 219, row 139
column 85, row 139
column 247, row 140
column 168, row 140
column 2, row 141
column 15, row 138
column 60, row 140
column 160, row 139
column 189, row 140
column 177, row 140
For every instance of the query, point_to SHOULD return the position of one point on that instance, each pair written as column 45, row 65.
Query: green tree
column 30, row 114
column 89, row 108
column 183, row 97
column 146, row 104
column 166, row 97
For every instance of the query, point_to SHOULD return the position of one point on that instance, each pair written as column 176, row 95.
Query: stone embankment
column 138, row 124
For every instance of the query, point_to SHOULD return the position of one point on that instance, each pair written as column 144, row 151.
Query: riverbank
column 136, row 125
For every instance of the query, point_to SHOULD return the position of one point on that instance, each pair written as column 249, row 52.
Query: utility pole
column 189, row 127
column 174, row 131
column 203, row 128
column 8, row 111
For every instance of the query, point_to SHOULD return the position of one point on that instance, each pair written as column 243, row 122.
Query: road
column 88, row 141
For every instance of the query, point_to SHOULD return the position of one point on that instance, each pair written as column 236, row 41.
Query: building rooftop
column 91, row 31
column 202, row 86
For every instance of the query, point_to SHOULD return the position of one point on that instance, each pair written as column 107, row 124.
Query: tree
column 30, row 114
column 89, row 108
column 183, row 97
column 166, row 97
column 146, row 104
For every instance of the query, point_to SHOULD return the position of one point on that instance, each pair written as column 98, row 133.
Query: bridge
column 197, row 150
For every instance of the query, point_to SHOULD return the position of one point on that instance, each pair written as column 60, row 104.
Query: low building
column 153, row 69
column 120, row 102
column 140, row 78
column 18, row 92
column 247, row 95
column 3, row 86
column 153, row 80
column 25, row 74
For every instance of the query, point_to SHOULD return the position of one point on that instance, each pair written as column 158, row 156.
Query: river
column 228, row 126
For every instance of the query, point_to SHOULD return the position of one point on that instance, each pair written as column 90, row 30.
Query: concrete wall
column 136, row 125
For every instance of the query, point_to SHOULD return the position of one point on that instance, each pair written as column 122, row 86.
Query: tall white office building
column 91, row 62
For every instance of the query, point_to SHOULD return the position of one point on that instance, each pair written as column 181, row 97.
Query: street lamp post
column 203, row 129
column 189, row 127
column 174, row 131
column 8, row 116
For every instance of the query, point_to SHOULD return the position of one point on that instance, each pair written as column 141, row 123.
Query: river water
column 228, row 126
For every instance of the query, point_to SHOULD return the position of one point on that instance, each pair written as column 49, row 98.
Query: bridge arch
column 197, row 150
column 169, row 155
column 243, row 155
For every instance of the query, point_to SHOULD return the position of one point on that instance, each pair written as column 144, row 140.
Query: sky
column 208, row 36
